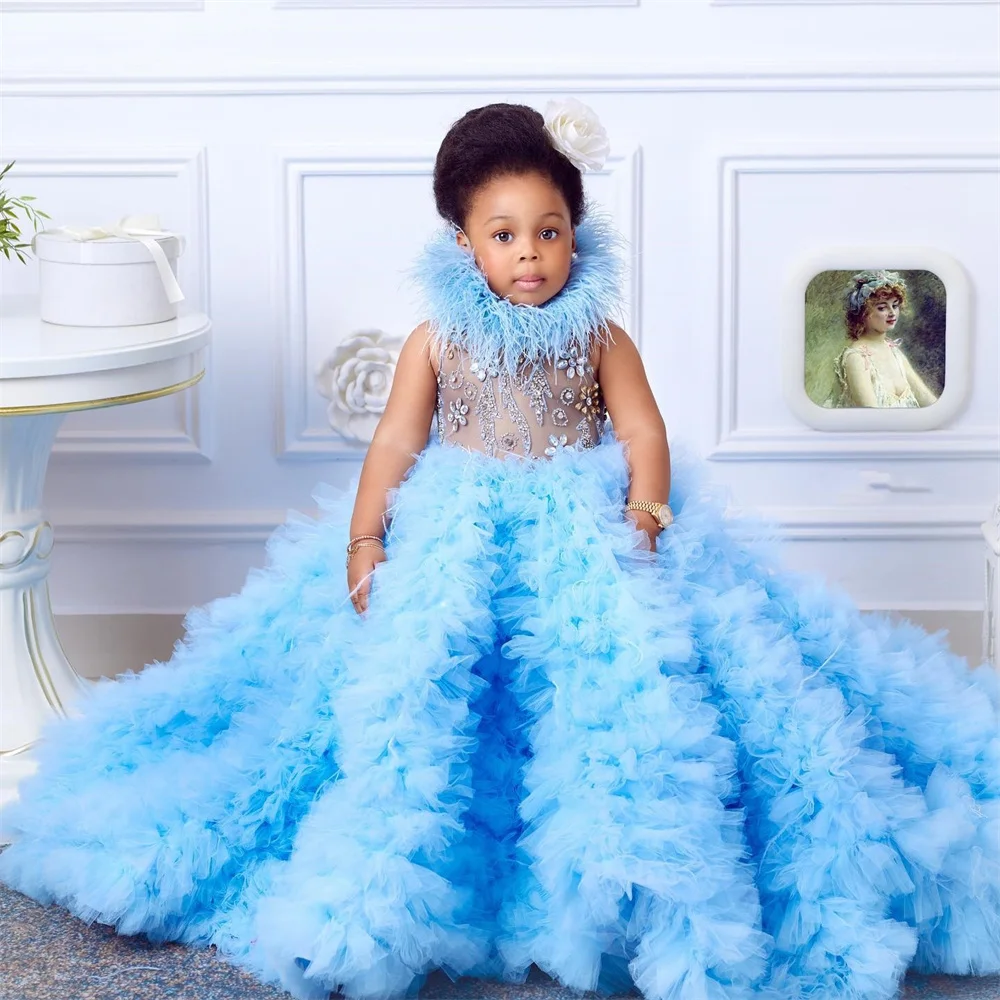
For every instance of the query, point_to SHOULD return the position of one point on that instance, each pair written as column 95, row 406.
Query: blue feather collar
column 464, row 310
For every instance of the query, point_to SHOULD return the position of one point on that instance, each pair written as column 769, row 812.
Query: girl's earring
column 575, row 255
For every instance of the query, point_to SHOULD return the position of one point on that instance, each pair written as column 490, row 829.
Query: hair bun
column 503, row 139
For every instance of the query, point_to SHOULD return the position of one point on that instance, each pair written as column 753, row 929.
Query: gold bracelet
column 355, row 545
column 357, row 538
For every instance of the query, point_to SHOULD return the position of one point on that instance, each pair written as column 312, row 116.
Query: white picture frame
column 957, row 347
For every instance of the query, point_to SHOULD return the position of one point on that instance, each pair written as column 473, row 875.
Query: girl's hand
column 359, row 574
column 645, row 522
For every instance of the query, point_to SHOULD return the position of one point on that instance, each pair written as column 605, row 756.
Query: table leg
column 36, row 680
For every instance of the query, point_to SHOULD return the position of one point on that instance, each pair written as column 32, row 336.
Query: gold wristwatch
column 661, row 511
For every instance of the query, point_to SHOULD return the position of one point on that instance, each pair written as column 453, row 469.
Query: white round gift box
column 111, row 281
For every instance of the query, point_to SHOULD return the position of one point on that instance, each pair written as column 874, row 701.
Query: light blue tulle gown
column 684, row 769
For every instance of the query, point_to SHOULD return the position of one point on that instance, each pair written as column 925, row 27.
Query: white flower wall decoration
column 356, row 378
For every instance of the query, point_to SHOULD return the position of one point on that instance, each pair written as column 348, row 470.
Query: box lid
column 60, row 247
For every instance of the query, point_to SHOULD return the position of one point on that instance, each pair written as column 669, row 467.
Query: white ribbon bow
column 143, row 228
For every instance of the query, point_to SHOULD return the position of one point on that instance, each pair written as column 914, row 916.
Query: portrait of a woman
column 885, row 352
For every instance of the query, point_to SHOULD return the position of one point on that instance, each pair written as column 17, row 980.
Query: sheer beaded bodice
column 535, row 412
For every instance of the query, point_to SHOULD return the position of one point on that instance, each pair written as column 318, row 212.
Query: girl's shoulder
column 429, row 342
column 604, row 340
column 594, row 353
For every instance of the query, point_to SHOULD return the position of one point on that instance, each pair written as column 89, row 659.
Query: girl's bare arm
column 401, row 433
column 637, row 422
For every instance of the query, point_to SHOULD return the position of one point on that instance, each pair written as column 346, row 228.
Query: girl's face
column 518, row 227
column 882, row 315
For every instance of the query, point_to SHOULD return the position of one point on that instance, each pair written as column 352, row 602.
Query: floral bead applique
column 483, row 371
column 555, row 444
column 573, row 364
column 508, row 441
column 457, row 415
column 590, row 400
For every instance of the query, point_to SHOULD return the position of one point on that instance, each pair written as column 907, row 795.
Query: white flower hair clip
column 577, row 133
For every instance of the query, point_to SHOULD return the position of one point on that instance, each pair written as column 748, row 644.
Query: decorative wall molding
column 978, row 443
column 882, row 524
column 629, row 169
column 838, row 3
column 942, row 78
column 734, row 443
column 144, row 525
column 296, row 439
column 136, row 6
column 410, row 4
column 182, row 444
column 203, row 527
column 191, row 546
column 189, row 441
column 107, row 644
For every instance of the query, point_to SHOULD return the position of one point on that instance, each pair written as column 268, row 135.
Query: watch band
column 661, row 511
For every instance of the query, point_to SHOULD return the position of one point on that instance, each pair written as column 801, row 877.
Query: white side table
column 47, row 371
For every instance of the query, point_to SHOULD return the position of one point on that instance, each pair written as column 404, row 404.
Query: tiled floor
column 46, row 954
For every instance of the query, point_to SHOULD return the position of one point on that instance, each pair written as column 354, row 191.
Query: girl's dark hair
column 499, row 140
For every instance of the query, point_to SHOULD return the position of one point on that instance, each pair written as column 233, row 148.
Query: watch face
column 665, row 516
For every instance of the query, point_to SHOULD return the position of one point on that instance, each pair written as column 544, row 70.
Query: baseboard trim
column 110, row 644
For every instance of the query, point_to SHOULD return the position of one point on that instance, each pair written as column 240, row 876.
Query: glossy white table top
column 49, row 368
column 30, row 348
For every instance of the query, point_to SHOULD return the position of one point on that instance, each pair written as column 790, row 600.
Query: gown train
column 684, row 768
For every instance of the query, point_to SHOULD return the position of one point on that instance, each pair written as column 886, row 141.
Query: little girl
column 872, row 370
column 555, row 728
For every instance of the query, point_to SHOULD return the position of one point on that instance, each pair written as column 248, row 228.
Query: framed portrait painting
column 877, row 338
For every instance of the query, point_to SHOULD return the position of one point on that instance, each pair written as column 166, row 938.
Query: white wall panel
column 251, row 39
column 780, row 207
column 294, row 148
column 835, row 3
column 454, row 4
column 364, row 217
column 86, row 6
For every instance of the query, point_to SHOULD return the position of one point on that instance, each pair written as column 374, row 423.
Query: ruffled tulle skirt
column 684, row 769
